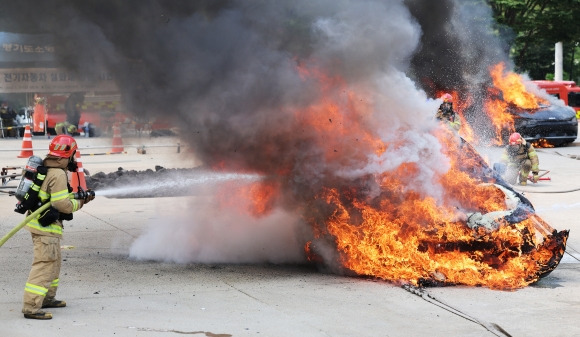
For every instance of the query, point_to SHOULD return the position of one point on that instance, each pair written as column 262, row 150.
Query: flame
column 542, row 143
column 404, row 235
column 466, row 130
column 336, row 118
column 504, row 98
column 500, row 118
column 513, row 88
column 257, row 199
column 394, row 246
column 508, row 94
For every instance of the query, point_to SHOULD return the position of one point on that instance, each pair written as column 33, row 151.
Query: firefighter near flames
column 45, row 195
column 446, row 114
column 519, row 158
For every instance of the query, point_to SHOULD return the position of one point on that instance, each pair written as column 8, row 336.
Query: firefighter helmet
column 447, row 98
column 63, row 146
column 515, row 139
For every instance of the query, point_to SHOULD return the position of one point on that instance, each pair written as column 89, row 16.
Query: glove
column 535, row 177
column 48, row 217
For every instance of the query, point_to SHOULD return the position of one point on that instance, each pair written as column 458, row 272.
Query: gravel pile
column 160, row 182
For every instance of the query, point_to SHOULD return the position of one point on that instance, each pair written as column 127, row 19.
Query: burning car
column 511, row 104
column 555, row 124
column 491, row 237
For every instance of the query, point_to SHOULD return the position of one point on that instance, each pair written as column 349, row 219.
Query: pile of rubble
column 160, row 182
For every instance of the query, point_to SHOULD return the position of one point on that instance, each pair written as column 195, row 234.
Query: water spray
column 175, row 185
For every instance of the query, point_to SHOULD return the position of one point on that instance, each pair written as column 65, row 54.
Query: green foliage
column 537, row 25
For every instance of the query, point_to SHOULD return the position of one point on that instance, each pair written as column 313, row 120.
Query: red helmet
column 63, row 146
column 515, row 138
column 447, row 98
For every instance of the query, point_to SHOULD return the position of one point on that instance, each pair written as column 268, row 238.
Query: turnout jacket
column 514, row 156
column 451, row 118
column 54, row 189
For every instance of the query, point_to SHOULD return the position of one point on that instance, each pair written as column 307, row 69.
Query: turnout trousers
column 518, row 172
column 43, row 278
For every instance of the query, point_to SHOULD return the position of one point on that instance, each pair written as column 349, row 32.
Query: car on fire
column 555, row 124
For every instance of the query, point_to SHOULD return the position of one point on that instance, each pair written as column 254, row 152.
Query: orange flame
column 513, row 88
column 257, row 199
column 507, row 93
column 412, row 238
column 404, row 235
column 391, row 246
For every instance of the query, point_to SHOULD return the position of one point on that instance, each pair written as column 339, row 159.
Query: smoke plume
column 247, row 80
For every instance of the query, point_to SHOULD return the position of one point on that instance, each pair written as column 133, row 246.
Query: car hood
column 551, row 112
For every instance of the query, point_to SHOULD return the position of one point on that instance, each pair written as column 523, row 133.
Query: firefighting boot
column 53, row 303
column 39, row 315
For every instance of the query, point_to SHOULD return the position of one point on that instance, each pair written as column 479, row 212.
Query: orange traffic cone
column 117, row 141
column 78, row 177
column 26, row 144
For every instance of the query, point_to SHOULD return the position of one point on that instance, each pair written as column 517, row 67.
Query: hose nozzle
column 82, row 194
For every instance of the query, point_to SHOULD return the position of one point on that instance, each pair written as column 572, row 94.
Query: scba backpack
column 33, row 176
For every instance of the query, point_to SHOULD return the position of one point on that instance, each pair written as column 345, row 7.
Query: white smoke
column 202, row 230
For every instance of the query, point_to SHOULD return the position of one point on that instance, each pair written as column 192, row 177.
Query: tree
column 537, row 25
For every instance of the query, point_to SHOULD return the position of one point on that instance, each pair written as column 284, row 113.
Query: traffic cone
column 26, row 144
column 117, row 141
column 78, row 177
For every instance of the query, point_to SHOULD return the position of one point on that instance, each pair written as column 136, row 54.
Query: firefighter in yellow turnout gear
column 46, row 229
column 520, row 158
column 447, row 115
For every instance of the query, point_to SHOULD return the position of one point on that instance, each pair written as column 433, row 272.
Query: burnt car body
column 557, row 125
column 496, row 240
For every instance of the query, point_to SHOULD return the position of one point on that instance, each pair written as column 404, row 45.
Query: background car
column 555, row 124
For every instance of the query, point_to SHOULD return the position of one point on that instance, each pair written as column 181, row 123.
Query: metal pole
column 571, row 76
column 558, row 67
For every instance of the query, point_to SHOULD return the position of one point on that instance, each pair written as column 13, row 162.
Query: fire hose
column 81, row 194
column 422, row 293
column 23, row 223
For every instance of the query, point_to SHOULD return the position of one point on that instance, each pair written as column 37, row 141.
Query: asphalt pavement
column 109, row 293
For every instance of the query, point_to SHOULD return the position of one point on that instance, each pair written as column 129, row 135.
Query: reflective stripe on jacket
column 54, row 189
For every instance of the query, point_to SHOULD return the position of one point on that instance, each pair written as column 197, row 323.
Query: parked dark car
column 557, row 125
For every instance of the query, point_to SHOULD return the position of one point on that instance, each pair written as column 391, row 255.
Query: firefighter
column 46, row 229
column 520, row 158
column 446, row 114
